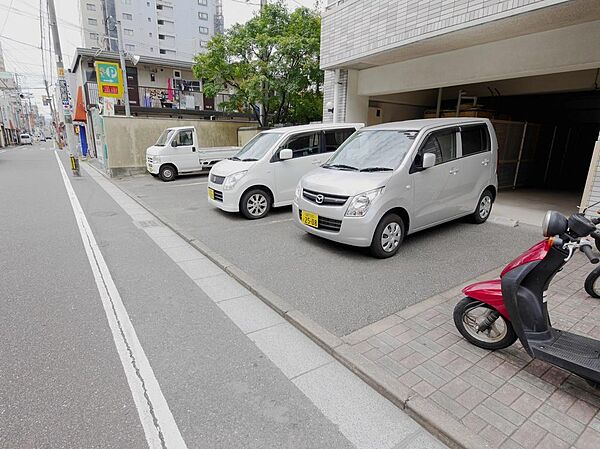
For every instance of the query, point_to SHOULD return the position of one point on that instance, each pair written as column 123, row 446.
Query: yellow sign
column 61, row 71
column 110, row 79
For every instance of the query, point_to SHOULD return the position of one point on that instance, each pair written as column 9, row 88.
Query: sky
column 20, row 36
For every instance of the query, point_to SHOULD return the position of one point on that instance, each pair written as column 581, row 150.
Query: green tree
column 271, row 60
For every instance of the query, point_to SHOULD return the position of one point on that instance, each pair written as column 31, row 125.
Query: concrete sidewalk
column 505, row 397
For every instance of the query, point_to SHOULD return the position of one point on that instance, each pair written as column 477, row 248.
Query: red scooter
column 495, row 313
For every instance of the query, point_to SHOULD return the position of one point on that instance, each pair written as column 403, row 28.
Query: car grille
column 218, row 195
column 217, row 179
column 328, row 199
column 149, row 159
column 327, row 224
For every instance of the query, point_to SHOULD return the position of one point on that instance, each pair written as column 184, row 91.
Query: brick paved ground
column 504, row 396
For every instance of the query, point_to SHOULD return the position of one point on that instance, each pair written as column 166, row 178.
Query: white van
column 267, row 169
column 176, row 152
column 26, row 139
column 394, row 179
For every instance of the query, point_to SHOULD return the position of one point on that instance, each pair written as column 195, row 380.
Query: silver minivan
column 394, row 179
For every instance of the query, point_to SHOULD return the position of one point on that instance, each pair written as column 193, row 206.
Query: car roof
column 418, row 125
column 312, row 127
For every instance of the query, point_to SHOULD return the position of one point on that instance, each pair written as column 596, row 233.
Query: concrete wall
column 356, row 28
column 562, row 50
column 128, row 137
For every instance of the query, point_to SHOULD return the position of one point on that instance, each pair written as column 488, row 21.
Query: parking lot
column 342, row 288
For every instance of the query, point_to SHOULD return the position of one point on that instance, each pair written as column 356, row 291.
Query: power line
column 6, row 18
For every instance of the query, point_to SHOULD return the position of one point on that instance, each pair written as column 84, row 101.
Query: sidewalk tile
column 409, row 379
column 430, row 376
column 507, row 394
column 474, row 422
column 493, row 435
column 444, row 357
column 505, row 371
column 590, row 439
column 511, row 444
column 458, row 365
column 448, row 404
column 495, row 419
column 490, row 362
column 374, row 354
column 570, row 423
column 561, row 400
column 582, row 412
column 424, row 388
column 529, row 434
column 555, row 376
column 553, row 427
column 471, row 398
column 380, row 345
column 401, row 353
column 506, row 412
column 526, row 404
column 537, row 368
column 455, row 387
column 552, row 442
column 362, row 347
column 412, row 361
column 393, row 366
column 396, row 330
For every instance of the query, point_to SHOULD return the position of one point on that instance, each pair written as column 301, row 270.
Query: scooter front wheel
column 592, row 285
column 471, row 318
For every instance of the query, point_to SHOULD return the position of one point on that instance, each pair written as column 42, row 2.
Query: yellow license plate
column 310, row 219
column 211, row 193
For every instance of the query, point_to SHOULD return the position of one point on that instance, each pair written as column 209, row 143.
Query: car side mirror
column 173, row 143
column 428, row 160
column 286, row 154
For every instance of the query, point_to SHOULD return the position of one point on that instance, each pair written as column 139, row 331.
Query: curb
column 423, row 410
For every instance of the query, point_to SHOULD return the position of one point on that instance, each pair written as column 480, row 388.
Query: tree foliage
column 271, row 60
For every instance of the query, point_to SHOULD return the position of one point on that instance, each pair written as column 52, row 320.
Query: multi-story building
column 171, row 29
column 533, row 66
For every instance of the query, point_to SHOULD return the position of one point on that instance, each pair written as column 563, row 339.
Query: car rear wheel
column 255, row 204
column 484, row 208
column 388, row 237
column 167, row 173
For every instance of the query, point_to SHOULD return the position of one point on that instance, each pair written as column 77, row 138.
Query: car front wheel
column 388, row 236
column 255, row 204
column 167, row 173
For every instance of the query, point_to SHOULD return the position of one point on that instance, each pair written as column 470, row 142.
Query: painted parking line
column 159, row 426
column 187, row 185
column 363, row 416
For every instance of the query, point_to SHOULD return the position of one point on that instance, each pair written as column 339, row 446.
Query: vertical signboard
column 110, row 79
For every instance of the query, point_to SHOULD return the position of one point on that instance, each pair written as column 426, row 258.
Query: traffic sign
column 110, row 79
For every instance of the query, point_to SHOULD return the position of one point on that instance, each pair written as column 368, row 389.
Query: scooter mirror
column 554, row 223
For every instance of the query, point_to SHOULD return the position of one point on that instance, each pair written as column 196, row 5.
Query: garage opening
column 546, row 128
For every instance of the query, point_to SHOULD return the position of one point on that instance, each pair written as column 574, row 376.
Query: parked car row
column 360, row 186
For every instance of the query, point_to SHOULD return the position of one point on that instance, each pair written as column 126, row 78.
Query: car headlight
column 359, row 205
column 298, row 191
column 232, row 180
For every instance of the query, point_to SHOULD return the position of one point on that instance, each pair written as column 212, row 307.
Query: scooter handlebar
column 587, row 250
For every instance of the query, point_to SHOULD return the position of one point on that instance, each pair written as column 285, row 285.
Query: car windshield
column 164, row 137
column 257, row 147
column 372, row 151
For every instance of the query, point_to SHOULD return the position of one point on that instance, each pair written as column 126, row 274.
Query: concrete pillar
column 356, row 106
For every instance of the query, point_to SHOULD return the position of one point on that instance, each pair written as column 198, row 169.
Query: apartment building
column 532, row 66
column 171, row 29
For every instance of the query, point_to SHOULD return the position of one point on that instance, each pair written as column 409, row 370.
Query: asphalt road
column 340, row 287
column 62, row 378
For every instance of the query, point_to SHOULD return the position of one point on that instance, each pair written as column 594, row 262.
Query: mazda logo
column 319, row 199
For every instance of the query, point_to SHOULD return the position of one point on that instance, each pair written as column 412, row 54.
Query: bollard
column 75, row 165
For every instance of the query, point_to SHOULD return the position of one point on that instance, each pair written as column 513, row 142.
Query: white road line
column 157, row 420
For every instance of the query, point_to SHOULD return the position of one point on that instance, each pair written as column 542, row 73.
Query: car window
column 304, row 144
column 442, row 144
column 185, row 137
column 475, row 139
column 335, row 137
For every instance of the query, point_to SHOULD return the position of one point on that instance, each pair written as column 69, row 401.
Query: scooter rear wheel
column 469, row 314
column 592, row 285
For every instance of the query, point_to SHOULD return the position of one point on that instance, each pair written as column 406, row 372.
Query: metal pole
column 520, row 154
column 438, row 109
column 336, row 94
column 123, row 69
column 63, row 85
column 550, row 155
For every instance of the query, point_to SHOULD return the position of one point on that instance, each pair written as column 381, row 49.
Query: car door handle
column 485, row 162
column 453, row 171
column 193, row 149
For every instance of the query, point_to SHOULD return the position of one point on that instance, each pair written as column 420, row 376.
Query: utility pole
column 64, row 90
column 123, row 67
column 261, row 107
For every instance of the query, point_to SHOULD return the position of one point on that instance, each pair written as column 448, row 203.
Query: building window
column 127, row 2
column 127, row 16
column 203, row 16
column 203, row 2
column 152, row 49
column 161, row 37
column 161, row 22
column 162, row 51
column 147, row 3
column 149, row 19
column 90, row 7
column 130, row 47
column 159, row 7
column 92, row 22
column 94, row 36
column 128, row 32
column 153, row 77
column 176, row 74
column 203, row 44
column 203, row 30
column 149, row 34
